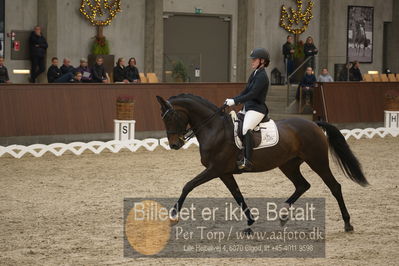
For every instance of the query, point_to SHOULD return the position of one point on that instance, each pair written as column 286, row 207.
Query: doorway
column 198, row 45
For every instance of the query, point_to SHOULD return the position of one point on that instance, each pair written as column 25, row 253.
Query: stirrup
column 244, row 164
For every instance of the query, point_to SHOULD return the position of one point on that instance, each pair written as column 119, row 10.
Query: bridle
column 190, row 132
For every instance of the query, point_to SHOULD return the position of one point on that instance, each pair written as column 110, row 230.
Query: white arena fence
column 77, row 148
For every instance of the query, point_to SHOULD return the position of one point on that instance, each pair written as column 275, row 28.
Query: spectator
column 132, row 73
column 4, row 78
column 87, row 75
column 343, row 75
column 307, row 83
column 120, row 72
column 310, row 50
column 325, row 76
column 99, row 74
column 77, row 77
column 66, row 67
column 38, row 46
column 53, row 72
column 288, row 52
column 354, row 72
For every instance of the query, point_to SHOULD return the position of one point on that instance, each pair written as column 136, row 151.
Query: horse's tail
column 343, row 154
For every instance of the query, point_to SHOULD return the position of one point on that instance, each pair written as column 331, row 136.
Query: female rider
column 254, row 99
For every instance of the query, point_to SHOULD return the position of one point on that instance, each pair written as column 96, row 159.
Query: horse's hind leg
column 292, row 171
column 320, row 165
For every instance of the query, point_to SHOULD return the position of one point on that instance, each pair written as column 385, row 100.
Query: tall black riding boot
column 246, row 163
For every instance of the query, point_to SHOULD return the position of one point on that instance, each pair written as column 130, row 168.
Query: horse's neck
column 198, row 115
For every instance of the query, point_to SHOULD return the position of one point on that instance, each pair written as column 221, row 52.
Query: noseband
column 189, row 133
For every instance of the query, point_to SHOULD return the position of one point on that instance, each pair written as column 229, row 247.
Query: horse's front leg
column 203, row 177
column 232, row 185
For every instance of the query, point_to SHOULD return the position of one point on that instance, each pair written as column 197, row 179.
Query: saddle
column 265, row 134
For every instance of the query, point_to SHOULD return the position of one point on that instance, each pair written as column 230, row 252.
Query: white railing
column 77, row 148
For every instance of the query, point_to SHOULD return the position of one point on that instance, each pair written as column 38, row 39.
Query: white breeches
column 251, row 120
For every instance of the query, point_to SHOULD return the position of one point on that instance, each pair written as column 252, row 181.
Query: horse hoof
column 349, row 228
column 248, row 231
column 173, row 220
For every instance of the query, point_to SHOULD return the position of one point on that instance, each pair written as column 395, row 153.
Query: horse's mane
column 194, row 98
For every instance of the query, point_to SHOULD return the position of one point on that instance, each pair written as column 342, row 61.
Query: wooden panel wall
column 52, row 109
column 351, row 102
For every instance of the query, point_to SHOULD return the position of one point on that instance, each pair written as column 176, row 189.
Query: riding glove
column 229, row 102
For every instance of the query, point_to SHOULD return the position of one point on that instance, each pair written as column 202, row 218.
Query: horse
column 300, row 140
column 360, row 40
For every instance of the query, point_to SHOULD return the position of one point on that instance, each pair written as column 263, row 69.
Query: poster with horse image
column 360, row 34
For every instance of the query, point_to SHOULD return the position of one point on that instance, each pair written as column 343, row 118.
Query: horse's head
column 176, row 122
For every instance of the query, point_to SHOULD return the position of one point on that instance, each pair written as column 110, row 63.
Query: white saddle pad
column 269, row 133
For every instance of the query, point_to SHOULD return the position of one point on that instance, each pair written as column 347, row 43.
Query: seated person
column 325, row 76
column 354, row 72
column 53, row 72
column 83, row 68
column 120, row 72
column 77, row 77
column 132, row 73
column 307, row 84
column 343, row 75
column 66, row 67
column 99, row 74
column 4, row 78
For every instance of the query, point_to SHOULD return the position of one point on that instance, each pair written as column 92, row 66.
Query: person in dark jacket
column 87, row 75
column 132, row 72
column 53, row 72
column 38, row 46
column 254, row 99
column 99, row 74
column 308, row 82
column 288, row 52
column 67, row 67
column 4, row 78
column 120, row 71
column 354, row 72
column 310, row 50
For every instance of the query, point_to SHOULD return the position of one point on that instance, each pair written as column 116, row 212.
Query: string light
column 94, row 10
column 296, row 17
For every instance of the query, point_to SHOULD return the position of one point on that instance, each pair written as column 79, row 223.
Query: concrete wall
column 269, row 34
column 20, row 15
column 125, row 34
column 70, row 35
column 392, row 53
column 218, row 7
column 338, row 11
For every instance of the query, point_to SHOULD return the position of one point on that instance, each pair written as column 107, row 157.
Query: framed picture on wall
column 360, row 34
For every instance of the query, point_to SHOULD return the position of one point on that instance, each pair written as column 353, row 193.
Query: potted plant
column 124, row 108
column 179, row 72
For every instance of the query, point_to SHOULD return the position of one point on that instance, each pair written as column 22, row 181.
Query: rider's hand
column 229, row 102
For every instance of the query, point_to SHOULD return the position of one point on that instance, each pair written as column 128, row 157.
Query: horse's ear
column 162, row 102
column 160, row 99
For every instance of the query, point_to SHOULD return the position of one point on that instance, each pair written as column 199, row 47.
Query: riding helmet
column 261, row 53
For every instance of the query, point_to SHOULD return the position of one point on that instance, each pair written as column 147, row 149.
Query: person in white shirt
column 325, row 76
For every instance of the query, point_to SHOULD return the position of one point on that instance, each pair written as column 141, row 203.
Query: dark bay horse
column 300, row 141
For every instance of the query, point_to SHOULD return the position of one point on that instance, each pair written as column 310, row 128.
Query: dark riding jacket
column 254, row 95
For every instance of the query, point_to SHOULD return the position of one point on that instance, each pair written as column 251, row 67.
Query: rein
column 190, row 132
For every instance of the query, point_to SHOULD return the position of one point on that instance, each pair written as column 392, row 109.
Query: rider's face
column 255, row 63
